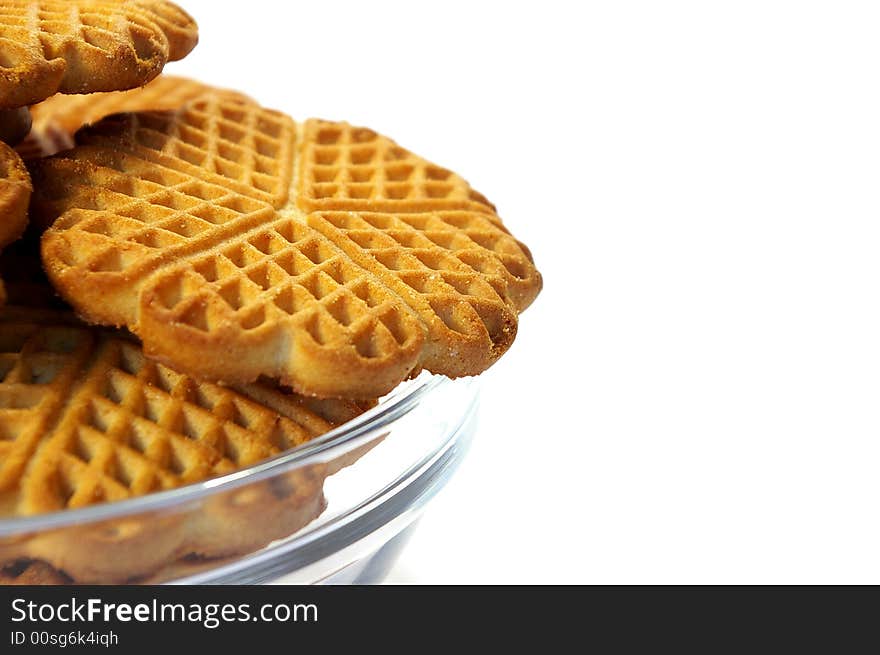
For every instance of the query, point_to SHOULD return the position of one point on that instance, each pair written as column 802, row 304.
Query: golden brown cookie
column 237, row 243
column 83, row 46
column 85, row 418
column 15, row 193
column 56, row 119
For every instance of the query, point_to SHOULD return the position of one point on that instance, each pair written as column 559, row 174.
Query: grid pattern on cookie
column 219, row 138
column 285, row 272
column 122, row 220
column 112, row 424
column 346, row 167
column 40, row 41
column 56, row 119
column 174, row 22
column 462, row 250
column 187, row 176
column 49, row 25
column 295, row 295
column 36, row 366
column 448, row 294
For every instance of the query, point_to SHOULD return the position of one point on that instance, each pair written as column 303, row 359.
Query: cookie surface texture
column 86, row 419
column 56, row 119
column 238, row 243
column 83, row 46
column 15, row 193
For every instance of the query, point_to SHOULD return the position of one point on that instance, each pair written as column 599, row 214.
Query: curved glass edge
column 350, row 435
column 390, row 511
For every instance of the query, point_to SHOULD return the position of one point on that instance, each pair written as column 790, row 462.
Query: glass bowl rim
column 326, row 447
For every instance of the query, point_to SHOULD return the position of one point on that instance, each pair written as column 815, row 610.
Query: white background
column 694, row 396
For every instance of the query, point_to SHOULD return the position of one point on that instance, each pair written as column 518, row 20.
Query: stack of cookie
column 289, row 272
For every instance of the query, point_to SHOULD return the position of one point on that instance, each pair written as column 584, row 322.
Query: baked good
column 14, row 124
column 85, row 418
column 15, row 193
column 56, row 119
column 83, row 46
column 237, row 243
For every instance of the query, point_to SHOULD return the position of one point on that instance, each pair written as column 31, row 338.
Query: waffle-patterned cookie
column 83, row 46
column 14, row 124
column 15, row 193
column 85, row 418
column 237, row 243
column 56, row 119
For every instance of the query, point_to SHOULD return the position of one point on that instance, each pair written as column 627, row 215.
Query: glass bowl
column 335, row 510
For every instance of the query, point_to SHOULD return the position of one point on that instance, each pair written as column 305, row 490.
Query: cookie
column 83, row 46
column 237, row 243
column 56, row 119
column 15, row 193
column 86, row 418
